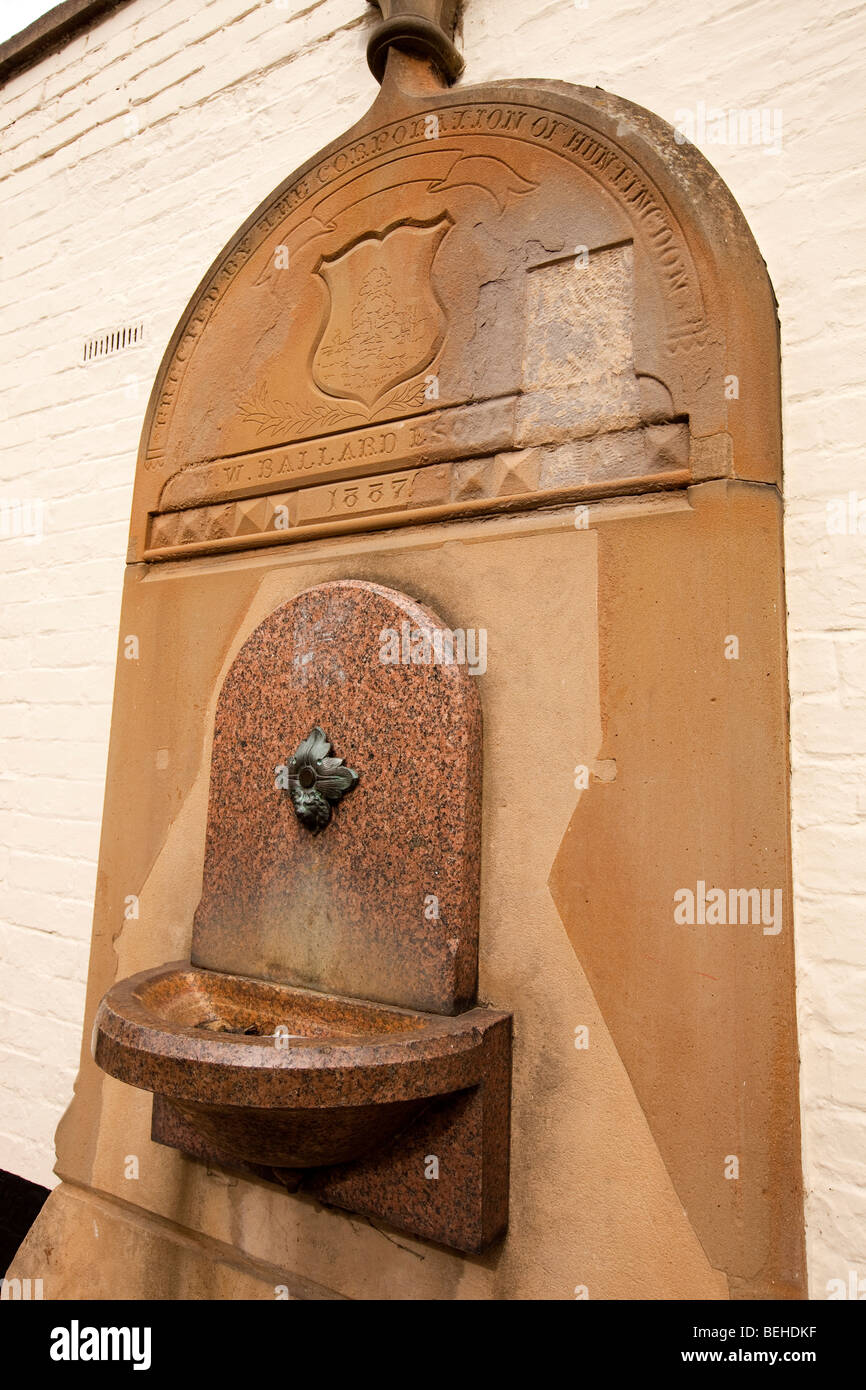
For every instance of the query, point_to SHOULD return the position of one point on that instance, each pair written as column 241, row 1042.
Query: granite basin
column 280, row 1076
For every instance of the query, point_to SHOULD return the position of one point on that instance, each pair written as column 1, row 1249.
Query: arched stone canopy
column 532, row 275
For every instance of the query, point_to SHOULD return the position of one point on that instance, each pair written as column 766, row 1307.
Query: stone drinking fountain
column 510, row 349
column 325, row 1031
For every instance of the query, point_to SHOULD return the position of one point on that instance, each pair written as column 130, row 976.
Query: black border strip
column 20, row 1203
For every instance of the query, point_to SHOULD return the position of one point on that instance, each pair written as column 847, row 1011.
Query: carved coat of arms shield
column 384, row 322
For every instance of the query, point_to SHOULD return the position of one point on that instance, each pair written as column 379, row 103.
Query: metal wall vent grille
column 114, row 340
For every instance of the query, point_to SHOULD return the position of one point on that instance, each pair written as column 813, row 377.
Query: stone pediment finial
column 422, row 26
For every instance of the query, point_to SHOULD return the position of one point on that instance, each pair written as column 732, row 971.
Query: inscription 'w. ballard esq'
column 459, row 432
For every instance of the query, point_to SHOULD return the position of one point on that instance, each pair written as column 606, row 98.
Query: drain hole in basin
column 219, row 1025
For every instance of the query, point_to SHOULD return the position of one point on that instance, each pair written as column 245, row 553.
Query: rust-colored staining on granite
column 383, row 904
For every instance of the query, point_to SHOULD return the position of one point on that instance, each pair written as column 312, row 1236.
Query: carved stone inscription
column 421, row 439
column 409, row 302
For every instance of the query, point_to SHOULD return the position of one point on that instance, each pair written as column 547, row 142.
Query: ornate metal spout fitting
column 315, row 781
column 422, row 26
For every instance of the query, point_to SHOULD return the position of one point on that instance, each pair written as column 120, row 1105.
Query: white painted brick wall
column 129, row 158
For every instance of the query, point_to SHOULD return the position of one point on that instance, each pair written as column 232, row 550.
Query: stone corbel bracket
column 425, row 27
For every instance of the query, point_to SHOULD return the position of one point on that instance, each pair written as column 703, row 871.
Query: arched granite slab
column 382, row 904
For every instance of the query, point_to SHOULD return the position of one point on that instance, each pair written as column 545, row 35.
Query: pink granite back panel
column 353, row 909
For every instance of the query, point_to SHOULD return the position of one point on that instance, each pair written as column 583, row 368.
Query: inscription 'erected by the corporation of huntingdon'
column 431, row 344
column 409, row 139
